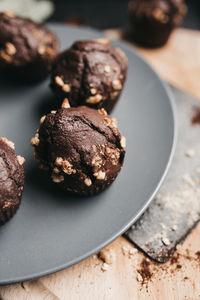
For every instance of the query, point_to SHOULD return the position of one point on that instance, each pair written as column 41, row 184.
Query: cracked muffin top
column 90, row 73
column 11, row 179
column 82, row 147
column 26, row 46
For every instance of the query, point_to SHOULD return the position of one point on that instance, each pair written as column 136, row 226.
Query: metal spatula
column 176, row 208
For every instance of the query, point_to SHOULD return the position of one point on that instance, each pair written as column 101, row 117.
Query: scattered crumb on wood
column 188, row 180
column 107, row 255
column 139, row 277
column 132, row 251
column 124, row 250
column 190, row 153
column 104, row 267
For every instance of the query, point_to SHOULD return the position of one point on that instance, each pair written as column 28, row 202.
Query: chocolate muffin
column 90, row 73
column 27, row 49
column 152, row 21
column 81, row 147
column 11, row 180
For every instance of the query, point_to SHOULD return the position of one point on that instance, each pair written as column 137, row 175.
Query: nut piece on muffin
column 81, row 147
column 27, row 49
column 11, row 180
column 90, row 73
column 152, row 21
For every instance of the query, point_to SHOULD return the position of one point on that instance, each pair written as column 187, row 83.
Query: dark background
column 111, row 13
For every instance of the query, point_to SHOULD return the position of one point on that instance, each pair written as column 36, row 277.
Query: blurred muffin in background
column 11, row 180
column 152, row 21
column 27, row 49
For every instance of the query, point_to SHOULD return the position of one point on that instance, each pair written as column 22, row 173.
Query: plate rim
column 171, row 100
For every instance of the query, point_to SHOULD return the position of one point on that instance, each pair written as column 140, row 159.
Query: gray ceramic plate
column 53, row 230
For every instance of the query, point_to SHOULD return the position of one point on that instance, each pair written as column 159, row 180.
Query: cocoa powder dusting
column 198, row 254
column 145, row 271
column 196, row 116
column 148, row 269
column 174, row 259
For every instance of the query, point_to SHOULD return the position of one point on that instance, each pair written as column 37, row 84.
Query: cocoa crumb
column 145, row 271
column 198, row 254
column 174, row 259
column 148, row 270
column 196, row 116
column 178, row 266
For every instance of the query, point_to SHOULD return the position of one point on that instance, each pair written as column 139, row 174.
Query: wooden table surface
column 129, row 274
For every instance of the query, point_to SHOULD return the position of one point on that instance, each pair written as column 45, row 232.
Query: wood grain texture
column 179, row 63
column 87, row 280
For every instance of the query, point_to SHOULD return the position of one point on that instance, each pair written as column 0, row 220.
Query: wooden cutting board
column 130, row 275
column 178, row 62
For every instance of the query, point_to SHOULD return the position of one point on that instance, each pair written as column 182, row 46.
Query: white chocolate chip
column 97, row 160
column 93, row 91
column 159, row 15
column 59, row 81
column 65, row 103
column 10, row 48
column 41, row 50
column 113, row 155
column 56, row 170
column 42, row 119
column 57, row 178
column 88, row 181
column 67, row 167
column 5, row 56
column 123, row 142
column 102, row 111
column 66, row 88
column 7, row 204
column 114, row 95
column 94, row 148
column 21, row 159
column 35, row 140
column 103, row 41
column 116, row 84
column 94, row 99
column 100, row 175
column 9, row 143
column 112, row 122
column 107, row 68
column 9, row 13
column 59, row 161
